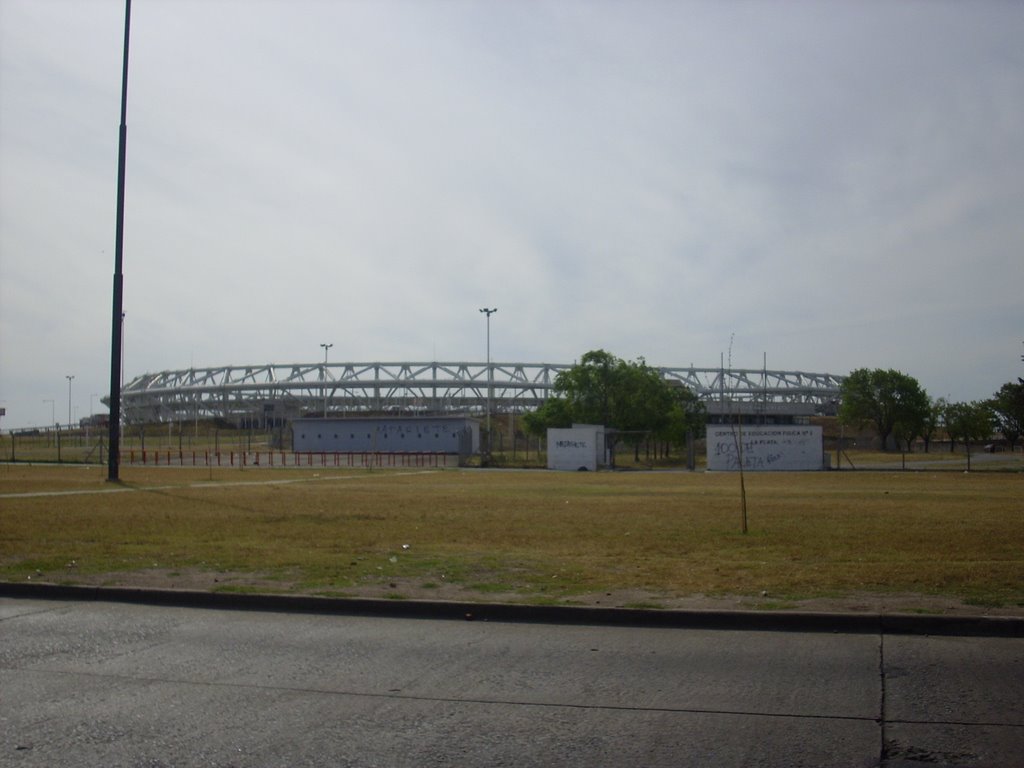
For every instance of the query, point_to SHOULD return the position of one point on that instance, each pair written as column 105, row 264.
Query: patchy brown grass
column 524, row 535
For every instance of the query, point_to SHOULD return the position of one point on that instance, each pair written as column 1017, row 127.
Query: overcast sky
column 835, row 185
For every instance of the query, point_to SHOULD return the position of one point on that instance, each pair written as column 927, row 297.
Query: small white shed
column 579, row 447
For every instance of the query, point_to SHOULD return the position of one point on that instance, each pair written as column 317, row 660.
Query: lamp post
column 117, row 304
column 489, row 311
column 323, row 376
column 70, row 379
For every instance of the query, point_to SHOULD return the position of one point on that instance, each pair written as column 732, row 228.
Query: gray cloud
column 838, row 185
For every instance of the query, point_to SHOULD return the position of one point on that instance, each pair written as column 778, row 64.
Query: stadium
column 272, row 395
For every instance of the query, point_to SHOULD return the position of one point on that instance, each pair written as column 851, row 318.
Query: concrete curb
column 780, row 621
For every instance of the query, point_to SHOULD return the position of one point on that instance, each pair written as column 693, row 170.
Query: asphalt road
column 114, row 684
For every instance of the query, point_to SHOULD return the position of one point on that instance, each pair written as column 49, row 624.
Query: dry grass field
column 932, row 541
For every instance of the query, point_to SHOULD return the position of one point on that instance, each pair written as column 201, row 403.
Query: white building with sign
column 765, row 448
column 576, row 448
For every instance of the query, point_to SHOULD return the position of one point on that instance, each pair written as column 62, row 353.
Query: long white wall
column 765, row 448
column 386, row 435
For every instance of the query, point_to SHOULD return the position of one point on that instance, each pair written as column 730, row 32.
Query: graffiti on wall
column 765, row 448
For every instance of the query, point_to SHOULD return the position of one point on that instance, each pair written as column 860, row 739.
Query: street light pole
column 117, row 304
column 323, row 376
column 489, row 311
column 69, row 378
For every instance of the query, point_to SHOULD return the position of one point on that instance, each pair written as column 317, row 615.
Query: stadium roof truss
column 290, row 390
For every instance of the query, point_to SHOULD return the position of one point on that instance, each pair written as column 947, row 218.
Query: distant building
column 453, row 435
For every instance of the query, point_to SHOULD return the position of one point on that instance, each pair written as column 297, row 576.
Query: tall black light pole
column 489, row 312
column 114, row 452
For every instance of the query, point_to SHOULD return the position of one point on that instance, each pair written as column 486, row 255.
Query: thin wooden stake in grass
column 743, row 486
column 737, row 438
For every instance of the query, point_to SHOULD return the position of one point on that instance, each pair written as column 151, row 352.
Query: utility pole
column 323, row 376
column 70, row 379
column 489, row 311
column 117, row 309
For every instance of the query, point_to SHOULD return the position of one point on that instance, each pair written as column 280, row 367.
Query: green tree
column 933, row 421
column 688, row 416
column 603, row 389
column 968, row 422
column 590, row 388
column 644, row 402
column 893, row 402
column 631, row 398
column 553, row 414
column 1008, row 406
column 913, row 419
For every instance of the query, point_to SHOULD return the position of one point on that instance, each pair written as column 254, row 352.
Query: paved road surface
column 107, row 684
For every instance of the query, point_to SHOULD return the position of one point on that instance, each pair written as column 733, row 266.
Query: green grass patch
column 539, row 535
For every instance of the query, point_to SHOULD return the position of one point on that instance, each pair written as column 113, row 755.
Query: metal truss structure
column 275, row 393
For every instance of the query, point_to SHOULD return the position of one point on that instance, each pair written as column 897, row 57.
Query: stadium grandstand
column 272, row 395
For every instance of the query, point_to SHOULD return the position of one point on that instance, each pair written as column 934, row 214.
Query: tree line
column 639, row 405
column 901, row 412
column 630, row 397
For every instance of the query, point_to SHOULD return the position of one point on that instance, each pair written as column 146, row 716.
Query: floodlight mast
column 323, row 375
column 70, row 378
column 117, row 312
column 488, row 311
